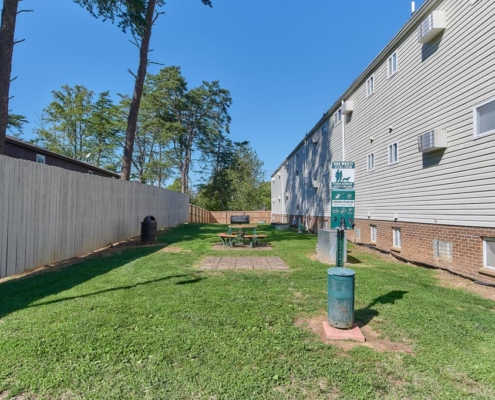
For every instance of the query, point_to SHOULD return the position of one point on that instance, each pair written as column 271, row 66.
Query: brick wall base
column 417, row 245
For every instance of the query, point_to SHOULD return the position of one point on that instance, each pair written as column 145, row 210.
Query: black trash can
column 148, row 230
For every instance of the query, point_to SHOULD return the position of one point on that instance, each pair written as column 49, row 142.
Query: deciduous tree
column 75, row 125
column 139, row 16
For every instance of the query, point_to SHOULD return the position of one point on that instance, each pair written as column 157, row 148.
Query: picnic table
column 237, row 234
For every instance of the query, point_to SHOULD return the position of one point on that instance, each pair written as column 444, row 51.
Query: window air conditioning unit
column 432, row 140
column 315, row 184
column 431, row 26
column 315, row 139
column 348, row 107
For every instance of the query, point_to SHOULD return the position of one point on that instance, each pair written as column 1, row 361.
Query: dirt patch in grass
column 449, row 280
column 373, row 340
column 22, row 396
column 171, row 249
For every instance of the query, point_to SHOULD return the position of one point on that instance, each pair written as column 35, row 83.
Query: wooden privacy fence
column 200, row 215
column 223, row 217
column 50, row 214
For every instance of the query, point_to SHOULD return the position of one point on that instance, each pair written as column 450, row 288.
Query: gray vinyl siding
column 436, row 86
column 438, row 91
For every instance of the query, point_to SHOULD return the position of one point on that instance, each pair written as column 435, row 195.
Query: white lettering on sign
column 342, row 203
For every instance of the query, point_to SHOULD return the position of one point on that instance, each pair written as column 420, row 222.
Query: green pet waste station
column 341, row 297
column 341, row 281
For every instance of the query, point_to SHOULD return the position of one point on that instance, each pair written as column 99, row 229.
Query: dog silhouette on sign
column 346, row 179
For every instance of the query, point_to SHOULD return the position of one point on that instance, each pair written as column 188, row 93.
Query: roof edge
column 408, row 26
column 52, row 153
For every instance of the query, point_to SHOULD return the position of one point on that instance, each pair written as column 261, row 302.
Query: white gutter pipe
column 343, row 130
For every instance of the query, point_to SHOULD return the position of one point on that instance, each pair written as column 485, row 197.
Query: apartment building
column 419, row 123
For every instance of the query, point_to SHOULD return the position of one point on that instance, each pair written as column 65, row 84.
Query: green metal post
column 340, row 245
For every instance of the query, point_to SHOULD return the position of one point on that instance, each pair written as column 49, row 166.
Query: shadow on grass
column 18, row 294
column 366, row 314
column 190, row 232
column 114, row 289
column 353, row 260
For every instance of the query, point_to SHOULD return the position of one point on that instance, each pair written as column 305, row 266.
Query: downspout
column 283, row 195
column 343, row 130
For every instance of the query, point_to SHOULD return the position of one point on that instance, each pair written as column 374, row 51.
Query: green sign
column 342, row 206
column 343, row 175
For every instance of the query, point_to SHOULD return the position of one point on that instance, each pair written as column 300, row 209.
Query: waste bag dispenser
column 341, row 297
column 148, row 230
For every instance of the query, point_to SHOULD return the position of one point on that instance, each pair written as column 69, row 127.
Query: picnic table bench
column 229, row 239
column 253, row 239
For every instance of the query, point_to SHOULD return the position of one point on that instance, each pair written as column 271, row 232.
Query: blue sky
column 285, row 62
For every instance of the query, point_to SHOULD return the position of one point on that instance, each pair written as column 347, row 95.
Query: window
column 484, row 118
column 370, row 85
column 324, row 179
column 392, row 64
column 373, row 233
column 324, row 129
column 40, row 158
column 489, row 252
column 397, row 242
column 338, row 116
column 370, row 162
column 357, row 233
column 393, row 153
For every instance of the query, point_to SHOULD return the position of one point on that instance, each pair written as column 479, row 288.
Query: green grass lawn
column 145, row 324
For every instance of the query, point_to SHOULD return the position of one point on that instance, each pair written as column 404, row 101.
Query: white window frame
column 485, row 252
column 370, row 80
column 40, row 158
column 390, row 61
column 390, row 153
column 338, row 116
column 373, row 233
column 370, row 166
column 475, row 119
column 397, row 243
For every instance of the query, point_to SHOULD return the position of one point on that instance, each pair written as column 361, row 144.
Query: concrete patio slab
column 244, row 263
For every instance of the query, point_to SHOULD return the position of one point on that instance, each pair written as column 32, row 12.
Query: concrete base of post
column 354, row 333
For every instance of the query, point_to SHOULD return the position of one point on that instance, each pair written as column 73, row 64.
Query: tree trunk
column 7, row 29
column 138, row 91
